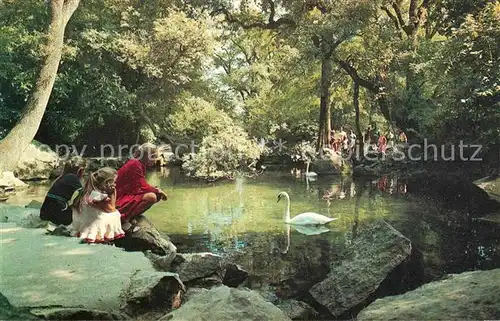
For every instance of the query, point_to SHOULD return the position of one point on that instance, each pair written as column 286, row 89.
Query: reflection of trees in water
column 450, row 241
column 359, row 195
column 308, row 257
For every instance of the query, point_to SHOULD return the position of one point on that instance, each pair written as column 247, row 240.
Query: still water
column 243, row 219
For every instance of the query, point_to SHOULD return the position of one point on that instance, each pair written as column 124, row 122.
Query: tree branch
column 69, row 7
column 273, row 11
column 397, row 9
column 391, row 16
column 412, row 12
column 270, row 25
column 353, row 73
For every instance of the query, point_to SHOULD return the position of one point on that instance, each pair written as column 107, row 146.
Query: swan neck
column 307, row 168
column 287, row 210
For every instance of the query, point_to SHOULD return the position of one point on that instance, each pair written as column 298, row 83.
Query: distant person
column 342, row 133
column 390, row 139
column 134, row 195
column 332, row 139
column 368, row 136
column 56, row 206
column 352, row 139
column 382, row 143
column 402, row 137
column 95, row 217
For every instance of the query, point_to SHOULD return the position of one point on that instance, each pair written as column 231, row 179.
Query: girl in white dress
column 95, row 217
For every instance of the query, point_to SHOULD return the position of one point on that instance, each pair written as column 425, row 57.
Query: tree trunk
column 15, row 143
column 324, row 114
column 355, row 97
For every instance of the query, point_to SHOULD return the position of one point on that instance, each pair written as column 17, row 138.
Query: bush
column 223, row 155
column 303, row 152
column 197, row 119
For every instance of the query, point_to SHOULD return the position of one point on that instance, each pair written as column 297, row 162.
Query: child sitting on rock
column 95, row 217
column 56, row 207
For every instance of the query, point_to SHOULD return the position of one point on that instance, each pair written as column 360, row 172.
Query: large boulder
column 193, row 292
column 8, row 312
column 37, row 162
column 380, row 261
column 152, row 291
column 234, row 275
column 40, row 271
column 298, row 310
column 467, row 296
column 227, row 304
column 198, row 266
column 147, row 238
column 28, row 217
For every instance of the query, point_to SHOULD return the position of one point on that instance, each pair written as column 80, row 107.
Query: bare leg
column 148, row 200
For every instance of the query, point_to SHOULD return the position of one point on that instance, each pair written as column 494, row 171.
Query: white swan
column 308, row 173
column 308, row 218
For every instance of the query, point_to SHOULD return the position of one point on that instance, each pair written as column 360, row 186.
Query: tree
column 19, row 138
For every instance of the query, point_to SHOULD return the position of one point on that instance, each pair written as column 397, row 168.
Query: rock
column 198, row 266
column 151, row 290
column 22, row 216
column 9, row 181
column 362, row 170
column 455, row 191
column 34, row 205
column 298, row 310
column 76, row 314
column 328, row 163
column 60, row 230
column 147, row 238
column 234, row 275
column 268, row 296
column 162, row 263
column 8, row 312
column 48, row 271
column 224, row 304
column 193, row 292
column 467, row 296
column 381, row 262
column 37, row 162
column 94, row 163
column 490, row 185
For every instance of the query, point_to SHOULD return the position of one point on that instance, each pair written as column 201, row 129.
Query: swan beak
column 279, row 199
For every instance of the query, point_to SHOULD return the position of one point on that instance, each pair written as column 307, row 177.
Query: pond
column 243, row 219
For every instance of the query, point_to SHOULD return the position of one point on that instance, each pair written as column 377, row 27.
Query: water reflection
column 241, row 219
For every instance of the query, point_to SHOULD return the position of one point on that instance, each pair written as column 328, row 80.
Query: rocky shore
column 380, row 276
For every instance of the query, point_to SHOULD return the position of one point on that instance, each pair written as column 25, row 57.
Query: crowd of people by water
column 105, row 206
column 373, row 140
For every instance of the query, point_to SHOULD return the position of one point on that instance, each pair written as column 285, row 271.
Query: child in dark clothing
column 55, row 207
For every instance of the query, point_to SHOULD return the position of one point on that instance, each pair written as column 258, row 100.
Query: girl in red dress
column 134, row 195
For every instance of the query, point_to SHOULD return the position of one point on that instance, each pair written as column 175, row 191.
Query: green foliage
column 303, row 152
column 149, row 70
column 469, row 76
column 197, row 119
column 223, row 155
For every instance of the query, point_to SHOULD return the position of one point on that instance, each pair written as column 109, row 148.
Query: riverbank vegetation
column 221, row 73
